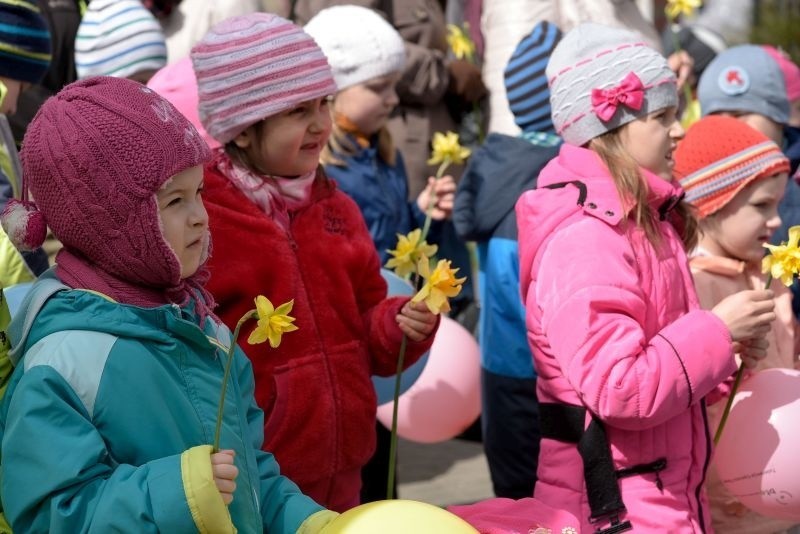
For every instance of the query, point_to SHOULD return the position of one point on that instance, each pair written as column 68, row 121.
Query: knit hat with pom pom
column 93, row 159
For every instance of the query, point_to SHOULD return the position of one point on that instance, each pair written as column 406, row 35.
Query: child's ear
column 245, row 139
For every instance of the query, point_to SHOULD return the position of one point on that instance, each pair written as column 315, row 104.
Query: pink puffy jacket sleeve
column 636, row 357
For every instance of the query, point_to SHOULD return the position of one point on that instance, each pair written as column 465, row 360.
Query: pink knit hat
column 790, row 70
column 93, row 159
column 254, row 66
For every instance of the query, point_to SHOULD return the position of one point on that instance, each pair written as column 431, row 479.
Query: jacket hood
column 55, row 307
column 577, row 181
column 498, row 173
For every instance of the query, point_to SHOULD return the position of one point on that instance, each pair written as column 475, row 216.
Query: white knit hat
column 601, row 78
column 359, row 44
column 118, row 38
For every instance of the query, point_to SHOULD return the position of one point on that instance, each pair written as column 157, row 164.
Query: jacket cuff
column 317, row 521
column 209, row 512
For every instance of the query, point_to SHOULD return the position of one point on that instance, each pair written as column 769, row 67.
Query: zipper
column 640, row 469
column 705, row 466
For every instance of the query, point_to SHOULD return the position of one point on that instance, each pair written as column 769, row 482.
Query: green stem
column 393, row 439
column 736, row 382
column 431, row 200
column 227, row 374
column 476, row 111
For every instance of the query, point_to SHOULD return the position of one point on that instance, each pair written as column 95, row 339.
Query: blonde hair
column 342, row 144
column 632, row 188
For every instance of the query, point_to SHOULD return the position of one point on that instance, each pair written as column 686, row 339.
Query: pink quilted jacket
column 615, row 326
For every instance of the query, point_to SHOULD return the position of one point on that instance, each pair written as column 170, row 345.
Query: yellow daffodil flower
column 446, row 148
column 460, row 42
column 409, row 250
column 272, row 322
column 783, row 261
column 440, row 285
column 685, row 7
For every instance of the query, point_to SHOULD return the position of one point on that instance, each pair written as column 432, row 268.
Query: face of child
column 794, row 118
column 291, row 141
column 762, row 123
column 740, row 229
column 8, row 106
column 368, row 105
column 651, row 139
column 184, row 220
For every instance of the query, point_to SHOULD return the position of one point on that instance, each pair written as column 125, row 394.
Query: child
column 735, row 177
column 283, row 230
column 119, row 38
column 495, row 177
column 119, row 360
column 623, row 353
column 367, row 57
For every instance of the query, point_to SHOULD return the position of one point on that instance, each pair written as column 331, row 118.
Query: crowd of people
column 167, row 164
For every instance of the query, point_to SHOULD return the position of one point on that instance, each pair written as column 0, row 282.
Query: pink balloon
column 757, row 455
column 445, row 400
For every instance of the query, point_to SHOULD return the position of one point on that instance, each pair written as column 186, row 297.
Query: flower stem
column 432, row 200
column 225, row 377
column 735, row 388
column 393, row 439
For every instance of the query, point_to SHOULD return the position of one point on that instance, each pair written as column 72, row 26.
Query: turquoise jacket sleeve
column 59, row 478
column 283, row 506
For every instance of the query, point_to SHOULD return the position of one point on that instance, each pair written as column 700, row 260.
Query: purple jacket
column 615, row 326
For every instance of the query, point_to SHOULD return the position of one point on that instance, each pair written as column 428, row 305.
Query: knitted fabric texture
column 745, row 79
column 596, row 57
column 359, row 44
column 118, row 38
column 24, row 41
column 790, row 70
column 525, row 79
column 254, row 66
column 719, row 157
column 94, row 158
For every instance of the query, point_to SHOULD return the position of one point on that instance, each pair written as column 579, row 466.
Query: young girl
column 623, row 353
column 367, row 57
column 119, row 360
column 283, row 230
column 735, row 176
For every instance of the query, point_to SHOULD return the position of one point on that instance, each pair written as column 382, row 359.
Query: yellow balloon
column 398, row 517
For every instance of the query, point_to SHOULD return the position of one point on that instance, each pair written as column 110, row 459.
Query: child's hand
column 443, row 191
column 416, row 320
column 752, row 351
column 224, row 474
column 747, row 314
column 682, row 64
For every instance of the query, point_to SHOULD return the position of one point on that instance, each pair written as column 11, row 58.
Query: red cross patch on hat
column 734, row 81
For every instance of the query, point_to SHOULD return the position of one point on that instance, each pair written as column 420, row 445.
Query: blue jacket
column 381, row 192
column 103, row 403
column 497, row 174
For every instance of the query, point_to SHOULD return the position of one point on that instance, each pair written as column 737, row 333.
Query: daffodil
column 440, row 285
column 447, row 149
column 460, row 42
column 783, row 261
column 685, row 7
column 272, row 322
column 410, row 248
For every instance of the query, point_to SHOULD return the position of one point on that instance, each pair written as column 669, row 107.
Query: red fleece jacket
column 315, row 389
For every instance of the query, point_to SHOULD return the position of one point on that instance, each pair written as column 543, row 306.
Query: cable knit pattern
column 252, row 67
column 93, row 159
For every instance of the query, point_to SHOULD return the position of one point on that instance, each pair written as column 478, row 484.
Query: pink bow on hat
column 629, row 92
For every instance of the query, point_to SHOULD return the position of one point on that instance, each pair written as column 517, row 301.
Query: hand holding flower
column 416, row 321
column 225, row 473
column 440, row 194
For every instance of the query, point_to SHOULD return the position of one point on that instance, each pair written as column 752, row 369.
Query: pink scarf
column 276, row 196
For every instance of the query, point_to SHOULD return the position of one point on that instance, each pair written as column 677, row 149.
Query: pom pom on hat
column 24, row 225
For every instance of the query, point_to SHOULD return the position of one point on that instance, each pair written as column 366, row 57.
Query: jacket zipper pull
column 659, row 484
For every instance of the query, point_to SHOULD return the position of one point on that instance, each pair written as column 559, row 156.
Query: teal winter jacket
column 103, row 403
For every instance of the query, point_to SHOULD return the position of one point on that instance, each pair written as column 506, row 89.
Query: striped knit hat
column 24, row 41
column 254, row 66
column 118, row 38
column 526, row 82
column 601, row 78
column 719, row 156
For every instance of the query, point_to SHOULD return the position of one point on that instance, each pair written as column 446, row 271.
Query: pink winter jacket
column 615, row 326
